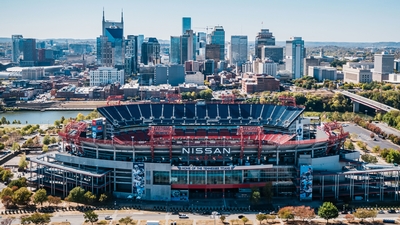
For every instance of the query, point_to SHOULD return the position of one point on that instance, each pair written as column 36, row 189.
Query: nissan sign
column 206, row 150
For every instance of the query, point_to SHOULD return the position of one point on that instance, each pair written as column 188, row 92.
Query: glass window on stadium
column 161, row 177
column 215, row 177
column 233, row 176
column 178, row 177
column 197, row 177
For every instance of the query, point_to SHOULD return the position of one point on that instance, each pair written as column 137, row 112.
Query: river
column 38, row 117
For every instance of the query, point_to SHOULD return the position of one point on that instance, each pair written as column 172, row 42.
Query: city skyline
column 338, row 21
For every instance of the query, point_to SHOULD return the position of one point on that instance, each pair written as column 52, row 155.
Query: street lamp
column 132, row 137
column 112, row 139
column 214, row 215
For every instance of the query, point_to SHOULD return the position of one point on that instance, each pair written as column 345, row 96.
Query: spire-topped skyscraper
column 114, row 24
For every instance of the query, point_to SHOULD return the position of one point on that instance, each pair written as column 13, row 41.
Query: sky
column 313, row 20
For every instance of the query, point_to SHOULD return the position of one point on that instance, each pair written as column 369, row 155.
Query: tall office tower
column 150, row 51
column 218, row 38
column 238, row 52
column 109, row 23
column 186, row 24
column 140, row 42
column 201, row 45
column 174, row 50
column 274, row 53
column 213, row 51
column 29, row 52
column 383, row 66
column 111, row 44
column 186, row 47
column 17, row 46
column 295, row 57
column 263, row 38
column 131, row 55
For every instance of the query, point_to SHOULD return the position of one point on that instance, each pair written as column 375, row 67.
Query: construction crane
column 204, row 28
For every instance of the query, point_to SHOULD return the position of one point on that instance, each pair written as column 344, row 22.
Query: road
column 77, row 219
column 364, row 135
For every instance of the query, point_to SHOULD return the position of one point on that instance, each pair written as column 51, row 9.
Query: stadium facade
column 178, row 151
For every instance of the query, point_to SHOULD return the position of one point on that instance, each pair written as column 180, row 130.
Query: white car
column 107, row 218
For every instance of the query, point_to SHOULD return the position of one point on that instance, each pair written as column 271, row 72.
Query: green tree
column 36, row 218
column 286, row 213
column 15, row 146
column 328, row 211
column 21, row 182
column 22, row 162
column 80, row 117
column 5, row 174
column 46, row 140
column 369, row 158
column 89, row 197
column 255, row 196
column 45, row 148
column 40, row 197
column 103, row 197
column 53, row 140
column 57, row 123
column 126, row 220
column 269, row 217
column 261, row 217
column 21, row 196
column 77, row 194
column 90, row 217
column 2, row 146
column 245, row 220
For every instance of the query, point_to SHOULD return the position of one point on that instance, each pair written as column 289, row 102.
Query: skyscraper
column 131, row 54
column 17, row 46
column 174, row 51
column 295, row 56
column 111, row 44
column 109, row 23
column 186, row 24
column 29, row 52
column 186, row 47
column 150, row 51
column 263, row 38
column 238, row 53
column 274, row 53
column 383, row 66
column 218, row 38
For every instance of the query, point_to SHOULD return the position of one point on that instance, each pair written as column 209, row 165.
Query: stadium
column 176, row 151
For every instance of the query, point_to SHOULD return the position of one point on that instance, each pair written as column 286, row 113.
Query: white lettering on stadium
column 206, row 151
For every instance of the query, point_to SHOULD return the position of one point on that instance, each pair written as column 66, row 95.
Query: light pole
column 112, row 139
column 214, row 215
column 133, row 150
column 366, row 112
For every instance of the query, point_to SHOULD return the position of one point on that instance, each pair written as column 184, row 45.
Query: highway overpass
column 357, row 99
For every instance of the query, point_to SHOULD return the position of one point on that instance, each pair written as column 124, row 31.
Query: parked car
column 381, row 212
column 183, row 216
column 107, row 218
column 240, row 216
column 391, row 211
column 175, row 213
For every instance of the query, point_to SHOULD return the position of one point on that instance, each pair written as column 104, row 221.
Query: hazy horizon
column 314, row 21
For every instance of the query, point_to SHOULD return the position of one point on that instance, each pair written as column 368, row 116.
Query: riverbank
column 61, row 106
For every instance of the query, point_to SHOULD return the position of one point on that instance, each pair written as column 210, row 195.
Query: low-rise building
column 357, row 73
column 252, row 83
column 106, row 75
column 321, row 73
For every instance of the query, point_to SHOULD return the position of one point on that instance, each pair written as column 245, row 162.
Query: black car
column 206, row 213
column 240, row 216
column 391, row 211
column 175, row 213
